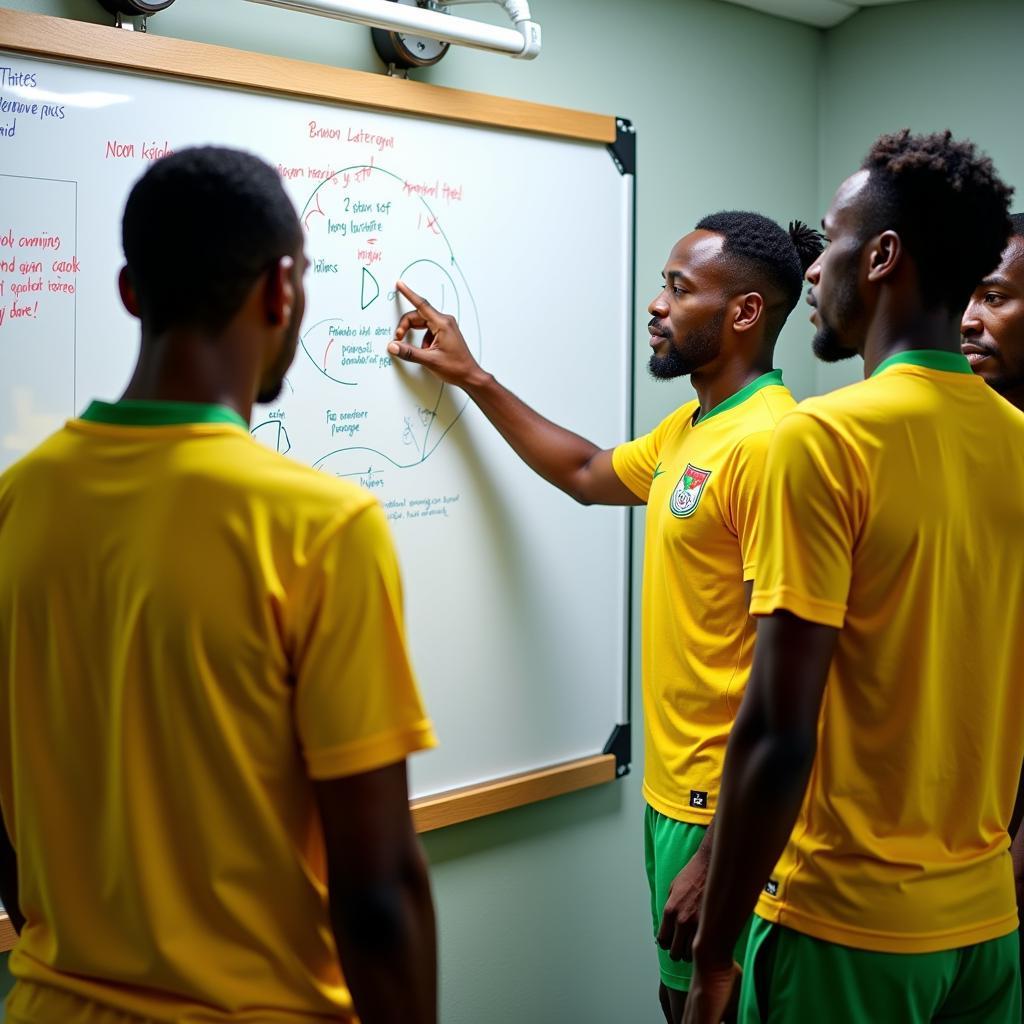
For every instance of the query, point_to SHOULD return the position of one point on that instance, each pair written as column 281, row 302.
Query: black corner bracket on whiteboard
column 620, row 744
column 623, row 149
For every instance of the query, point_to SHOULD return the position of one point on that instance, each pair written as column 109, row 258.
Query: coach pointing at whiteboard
column 729, row 287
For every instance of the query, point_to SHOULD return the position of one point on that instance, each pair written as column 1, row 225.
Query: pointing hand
column 444, row 350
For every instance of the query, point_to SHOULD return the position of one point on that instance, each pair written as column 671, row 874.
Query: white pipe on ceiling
column 523, row 41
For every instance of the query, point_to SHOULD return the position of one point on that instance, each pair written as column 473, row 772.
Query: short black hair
column 765, row 255
column 1017, row 224
column 948, row 205
column 199, row 228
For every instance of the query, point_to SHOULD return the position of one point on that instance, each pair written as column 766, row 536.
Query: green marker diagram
column 273, row 434
column 352, row 413
column 371, row 290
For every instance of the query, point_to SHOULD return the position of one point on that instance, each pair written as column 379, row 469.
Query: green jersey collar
column 135, row 412
column 929, row 358
column 766, row 380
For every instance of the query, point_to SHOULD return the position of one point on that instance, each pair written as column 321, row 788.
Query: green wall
column 953, row 64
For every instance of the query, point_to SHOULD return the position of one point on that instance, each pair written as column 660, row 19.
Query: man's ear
column 884, row 254
column 279, row 292
column 749, row 310
column 127, row 291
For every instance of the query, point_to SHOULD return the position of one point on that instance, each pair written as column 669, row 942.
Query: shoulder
column 232, row 476
column 671, row 426
column 768, row 407
column 839, row 412
column 276, row 480
column 53, row 450
column 821, row 440
column 762, row 415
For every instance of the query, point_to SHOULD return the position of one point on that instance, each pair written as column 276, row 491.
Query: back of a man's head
column 199, row 229
column 948, row 205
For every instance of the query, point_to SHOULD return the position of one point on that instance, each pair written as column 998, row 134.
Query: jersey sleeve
column 357, row 705
column 814, row 496
column 636, row 461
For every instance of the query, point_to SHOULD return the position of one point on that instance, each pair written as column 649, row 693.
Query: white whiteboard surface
column 516, row 598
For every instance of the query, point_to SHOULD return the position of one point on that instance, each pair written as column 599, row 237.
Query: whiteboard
column 516, row 598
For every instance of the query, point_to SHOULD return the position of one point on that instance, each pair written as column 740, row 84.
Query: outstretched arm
column 563, row 458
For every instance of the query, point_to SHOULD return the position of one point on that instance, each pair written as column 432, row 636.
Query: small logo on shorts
column 772, row 887
column 698, row 799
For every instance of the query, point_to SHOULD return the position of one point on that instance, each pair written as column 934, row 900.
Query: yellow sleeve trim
column 811, row 609
column 749, row 571
column 632, row 480
column 371, row 753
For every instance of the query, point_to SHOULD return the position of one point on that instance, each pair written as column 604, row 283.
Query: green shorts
column 669, row 845
column 791, row 978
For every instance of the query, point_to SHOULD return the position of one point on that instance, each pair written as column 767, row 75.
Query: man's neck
column 713, row 389
column 934, row 330
column 190, row 367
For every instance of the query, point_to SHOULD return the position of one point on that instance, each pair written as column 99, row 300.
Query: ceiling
column 822, row 13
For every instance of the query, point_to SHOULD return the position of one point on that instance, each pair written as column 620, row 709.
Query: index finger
column 424, row 308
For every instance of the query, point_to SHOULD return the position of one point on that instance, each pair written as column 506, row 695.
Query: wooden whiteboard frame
column 144, row 53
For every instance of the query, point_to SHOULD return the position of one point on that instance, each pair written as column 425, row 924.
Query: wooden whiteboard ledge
column 450, row 808
column 62, row 38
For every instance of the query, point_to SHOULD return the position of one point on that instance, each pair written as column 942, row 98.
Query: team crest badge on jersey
column 686, row 496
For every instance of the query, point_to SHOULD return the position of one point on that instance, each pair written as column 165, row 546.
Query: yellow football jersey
column 702, row 483
column 893, row 512
column 192, row 628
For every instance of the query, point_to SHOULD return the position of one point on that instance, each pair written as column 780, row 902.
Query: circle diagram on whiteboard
column 366, row 229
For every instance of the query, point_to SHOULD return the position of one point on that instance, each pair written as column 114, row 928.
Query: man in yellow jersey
column 879, row 746
column 992, row 338
column 205, row 699
column 729, row 287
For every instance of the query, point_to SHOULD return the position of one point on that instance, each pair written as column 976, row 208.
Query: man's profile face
column 273, row 378
column 992, row 329
column 835, row 277
column 688, row 313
